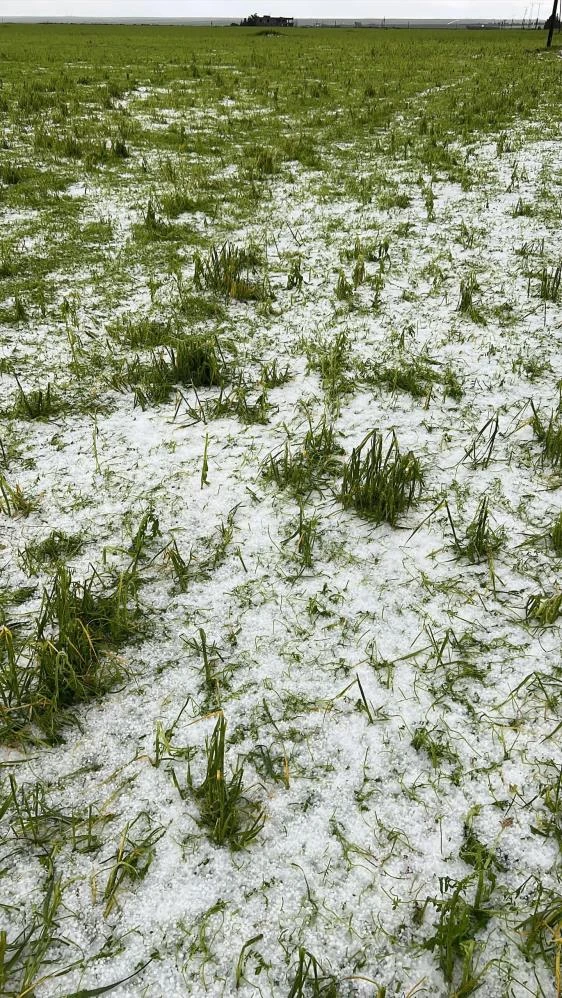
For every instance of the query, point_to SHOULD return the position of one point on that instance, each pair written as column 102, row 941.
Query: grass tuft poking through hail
column 85, row 615
column 13, row 500
column 79, row 621
column 543, row 610
column 460, row 920
column 556, row 535
column 58, row 546
column 307, row 470
column 229, row 815
column 142, row 333
column 381, row 484
column 542, row 930
column 195, row 361
column 67, row 662
column 550, row 283
column 133, row 857
column 22, row 956
column 549, row 436
column 38, row 403
column 480, row 541
column 466, row 304
column 331, row 359
column 231, row 272
column 311, row 978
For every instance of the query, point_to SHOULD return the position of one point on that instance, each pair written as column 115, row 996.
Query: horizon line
column 227, row 21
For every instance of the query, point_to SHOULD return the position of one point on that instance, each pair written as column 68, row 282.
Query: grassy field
column 280, row 519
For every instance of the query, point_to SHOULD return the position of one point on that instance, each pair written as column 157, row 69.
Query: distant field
column 280, row 513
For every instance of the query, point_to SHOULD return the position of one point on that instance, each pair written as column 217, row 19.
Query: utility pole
column 552, row 23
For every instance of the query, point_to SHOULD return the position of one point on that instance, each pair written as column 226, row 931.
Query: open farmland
column 280, row 518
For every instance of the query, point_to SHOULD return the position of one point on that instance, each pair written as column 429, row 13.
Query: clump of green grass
column 241, row 402
column 23, row 955
column 12, row 174
column 11, row 260
column 503, row 143
column 147, row 530
column 16, row 313
column 38, row 403
column 310, row 467
column 344, row 289
column 476, row 854
column 551, row 823
column 542, row 928
column 482, row 446
column 10, row 597
column 452, row 386
column 415, row 377
column 556, row 535
column 466, row 235
column 295, row 277
column 26, row 960
column 549, row 436
column 480, row 540
column 58, row 546
column 195, row 360
column 466, row 305
column 305, row 535
column 436, row 748
column 551, row 278
column 543, row 610
column 301, row 149
column 381, row 483
column 531, row 367
column 231, row 272
column 143, row 333
column 373, row 251
column 37, row 821
column 179, row 566
column 196, row 308
column 230, row 817
column 69, row 659
column 79, row 620
column 261, row 162
column 14, row 501
column 248, row 409
column 461, row 918
column 310, row 978
column 155, row 229
column 216, row 674
column 394, row 199
column 200, row 566
column 133, row 857
column 523, row 209
column 330, row 358
column 179, row 202
column 272, row 375
column 98, row 232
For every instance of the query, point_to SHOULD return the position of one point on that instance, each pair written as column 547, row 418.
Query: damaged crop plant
column 280, row 527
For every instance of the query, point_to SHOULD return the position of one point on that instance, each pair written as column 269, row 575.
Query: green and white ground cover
column 281, row 448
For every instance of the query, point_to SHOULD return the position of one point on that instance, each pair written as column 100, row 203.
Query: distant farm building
column 266, row 21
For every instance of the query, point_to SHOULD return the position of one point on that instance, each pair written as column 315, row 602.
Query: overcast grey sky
column 235, row 9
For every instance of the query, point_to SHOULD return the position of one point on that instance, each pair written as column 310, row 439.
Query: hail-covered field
column 280, row 521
